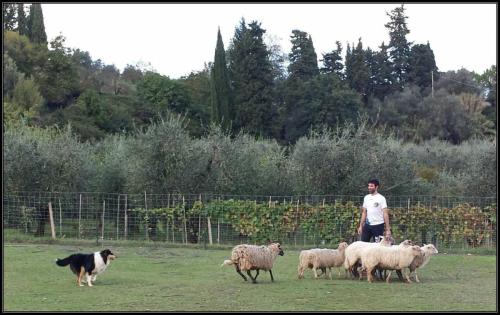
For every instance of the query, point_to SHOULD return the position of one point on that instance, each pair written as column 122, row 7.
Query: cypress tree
column 251, row 74
column 220, row 89
column 303, row 58
column 357, row 70
column 399, row 47
column 36, row 28
column 22, row 23
column 381, row 73
column 422, row 63
column 302, row 87
column 332, row 62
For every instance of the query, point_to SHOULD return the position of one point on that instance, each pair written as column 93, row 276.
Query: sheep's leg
column 330, row 273
column 256, row 275
column 354, row 270
column 400, row 275
column 369, row 274
column 388, row 278
column 407, row 277
column 250, row 275
column 379, row 273
column 239, row 271
column 300, row 273
column 416, row 277
column 271, row 273
column 315, row 273
column 323, row 271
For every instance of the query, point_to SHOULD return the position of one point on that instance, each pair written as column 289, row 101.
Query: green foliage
column 132, row 74
column 26, row 55
column 25, row 102
column 448, row 120
column 251, row 74
column 162, row 94
column 58, row 78
column 198, row 86
column 488, row 82
column 421, row 64
column 399, row 47
column 220, row 91
column 10, row 75
column 303, row 58
column 457, row 82
column 332, row 62
column 381, row 77
column 45, row 159
column 357, row 69
column 36, row 27
column 443, row 226
column 22, row 21
column 329, row 223
column 164, row 158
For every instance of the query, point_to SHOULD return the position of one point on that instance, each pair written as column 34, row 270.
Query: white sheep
column 353, row 253
column 420, row 261
column 321, row 258
column 252, row 257
column 393, row 257
column 386, row 276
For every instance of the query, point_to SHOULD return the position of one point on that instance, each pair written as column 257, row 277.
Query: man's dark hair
column 374, row 181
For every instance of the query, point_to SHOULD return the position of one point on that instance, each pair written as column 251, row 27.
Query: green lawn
column 161, row 278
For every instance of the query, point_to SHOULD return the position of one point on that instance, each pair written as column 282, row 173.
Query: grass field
column 160, row 278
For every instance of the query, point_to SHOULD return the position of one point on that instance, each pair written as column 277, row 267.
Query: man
column 375, row 215
column 374, row 218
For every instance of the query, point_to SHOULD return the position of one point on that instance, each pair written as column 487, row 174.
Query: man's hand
column 388, row 232
column 360, row 229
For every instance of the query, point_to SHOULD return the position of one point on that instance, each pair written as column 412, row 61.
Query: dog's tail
column 64, row 262
column 227, row 262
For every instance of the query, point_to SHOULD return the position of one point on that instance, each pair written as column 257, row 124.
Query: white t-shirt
column 374, row 205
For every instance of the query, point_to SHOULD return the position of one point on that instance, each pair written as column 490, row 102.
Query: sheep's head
column 277, row 247
column 386, row 240
column 430, row 249
column 343, row 246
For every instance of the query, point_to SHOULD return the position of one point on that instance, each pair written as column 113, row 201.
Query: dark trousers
column 370, row 231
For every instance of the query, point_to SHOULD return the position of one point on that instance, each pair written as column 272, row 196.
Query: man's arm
column 387, row 224
column 363, row 219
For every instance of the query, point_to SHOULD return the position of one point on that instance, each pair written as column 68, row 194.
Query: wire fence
column 305, row 220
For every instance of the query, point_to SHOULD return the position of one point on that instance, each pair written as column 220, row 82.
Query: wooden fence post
column 51, row 217
column 80, row 218
column 118, row 218
column 125, row 219
column 102, row 225
column 218, row 227
column 60, row 218
column 185, row 227
column 146, row 221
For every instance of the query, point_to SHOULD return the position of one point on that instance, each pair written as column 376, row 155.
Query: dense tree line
column 165, row 158
column 251, row 86
column 254, row 121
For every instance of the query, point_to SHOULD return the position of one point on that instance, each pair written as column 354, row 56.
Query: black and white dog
column 89, row 265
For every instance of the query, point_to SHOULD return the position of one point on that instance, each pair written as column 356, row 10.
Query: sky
column 177, row 39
